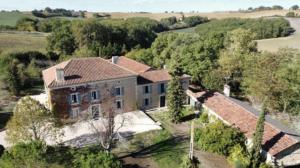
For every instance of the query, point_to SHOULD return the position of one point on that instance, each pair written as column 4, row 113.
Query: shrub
column 188, row 163
column 87, row 158
column 238, row 157
column 24, row 155
column 1, row 150
column 219, row 138
column 290, row 14
column 162, row 136
column 265, row 165
column 204, row 118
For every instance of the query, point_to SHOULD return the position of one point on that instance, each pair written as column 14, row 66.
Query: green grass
column 14, row 41
column 11, row 18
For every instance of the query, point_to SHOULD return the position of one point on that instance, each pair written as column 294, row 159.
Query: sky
column 143, row 5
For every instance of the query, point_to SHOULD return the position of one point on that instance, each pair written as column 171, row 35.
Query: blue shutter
column 89, row 95
column 98, row 94
column 150, row 88
column 122, row 91
column 79, row 98
column 158, row 89
column 69, row 99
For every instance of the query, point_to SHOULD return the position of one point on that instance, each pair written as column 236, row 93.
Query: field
column 292, row 41
column 217, row 15
column 22, row 41
column 10, row 18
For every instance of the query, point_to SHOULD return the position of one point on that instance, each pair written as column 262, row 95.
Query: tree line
column 215, row 58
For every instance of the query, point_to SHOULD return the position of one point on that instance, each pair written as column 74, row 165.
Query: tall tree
column 31, row 121
column 255, row 155
column 13, row 80
column 175, row 92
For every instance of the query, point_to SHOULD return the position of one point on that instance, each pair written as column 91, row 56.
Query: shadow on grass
column 4, row 118
column 188, row 117
column 164, row 147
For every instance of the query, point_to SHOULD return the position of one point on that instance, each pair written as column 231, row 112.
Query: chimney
column 227, row 90
column 114, row 59
column 59, row 75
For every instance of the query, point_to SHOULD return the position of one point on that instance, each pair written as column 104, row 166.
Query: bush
column 24, row 155
column 265, row 165
column 188, row 163
column 204, row 118
column 219, row 138
column 291, row 14
column 238, row 157
column 86, row 159
column 1, row 150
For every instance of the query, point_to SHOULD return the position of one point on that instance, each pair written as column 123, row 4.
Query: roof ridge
column 120, row 66
column 257, row 117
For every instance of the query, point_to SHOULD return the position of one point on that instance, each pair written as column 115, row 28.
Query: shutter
column 69, row 99
column 158, row 89
column 150, row 89
column 150, row 102
column 98, row 94
column 79, row 98
column 89, row 95
column 122, row 91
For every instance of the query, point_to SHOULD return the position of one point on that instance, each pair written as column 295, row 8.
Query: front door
column 162, row 101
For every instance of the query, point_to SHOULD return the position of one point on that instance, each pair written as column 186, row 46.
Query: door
column 162, row 101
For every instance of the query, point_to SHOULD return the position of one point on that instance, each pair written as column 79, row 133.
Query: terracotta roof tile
column 275, row 140
column 132, row 65
column 82, row 70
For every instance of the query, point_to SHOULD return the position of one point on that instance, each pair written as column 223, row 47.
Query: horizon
column 152, row 6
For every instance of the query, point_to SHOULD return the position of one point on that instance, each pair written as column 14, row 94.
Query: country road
column 292, row 41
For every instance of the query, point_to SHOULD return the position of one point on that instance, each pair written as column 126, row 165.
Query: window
column 74, row 113
column 95, row 95
column 162, row 88
column 95, row 109
column 74, row 98
column 147, row 89
column 119, row 91
column 119, row 104
column 146, row 102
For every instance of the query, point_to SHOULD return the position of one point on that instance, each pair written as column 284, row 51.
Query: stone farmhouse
column 281, row 145
column 79, row 86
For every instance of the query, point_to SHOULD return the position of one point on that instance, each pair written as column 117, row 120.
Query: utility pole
column 191, row 153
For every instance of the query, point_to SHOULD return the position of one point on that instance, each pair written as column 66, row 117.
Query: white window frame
column 118, row 87
column 92, row 96
column 121, row 103
column 74, row 111
column 91, row 109
column 77, row 98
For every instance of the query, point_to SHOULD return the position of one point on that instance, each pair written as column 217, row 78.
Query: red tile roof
column 132, row 65
column 275, row 140
column 83, row 70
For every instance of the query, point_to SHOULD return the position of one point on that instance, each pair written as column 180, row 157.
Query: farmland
column 22, row 41
column 274, row 44
column 10, row 18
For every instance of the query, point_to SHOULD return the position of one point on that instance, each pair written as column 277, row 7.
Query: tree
column 290, row 14
column 106, row 127
column 61, row 40
column 219, row 138
column 24, row 155
column 31, row 121
column 175, row 93
column 257, row 140
column 240, row 45
column 295, row 7
column 13, row 78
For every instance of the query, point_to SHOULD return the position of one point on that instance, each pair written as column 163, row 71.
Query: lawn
column 14, row 41
column 10, row 18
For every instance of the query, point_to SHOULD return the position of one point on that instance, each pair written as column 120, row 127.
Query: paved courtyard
column 83, row 133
